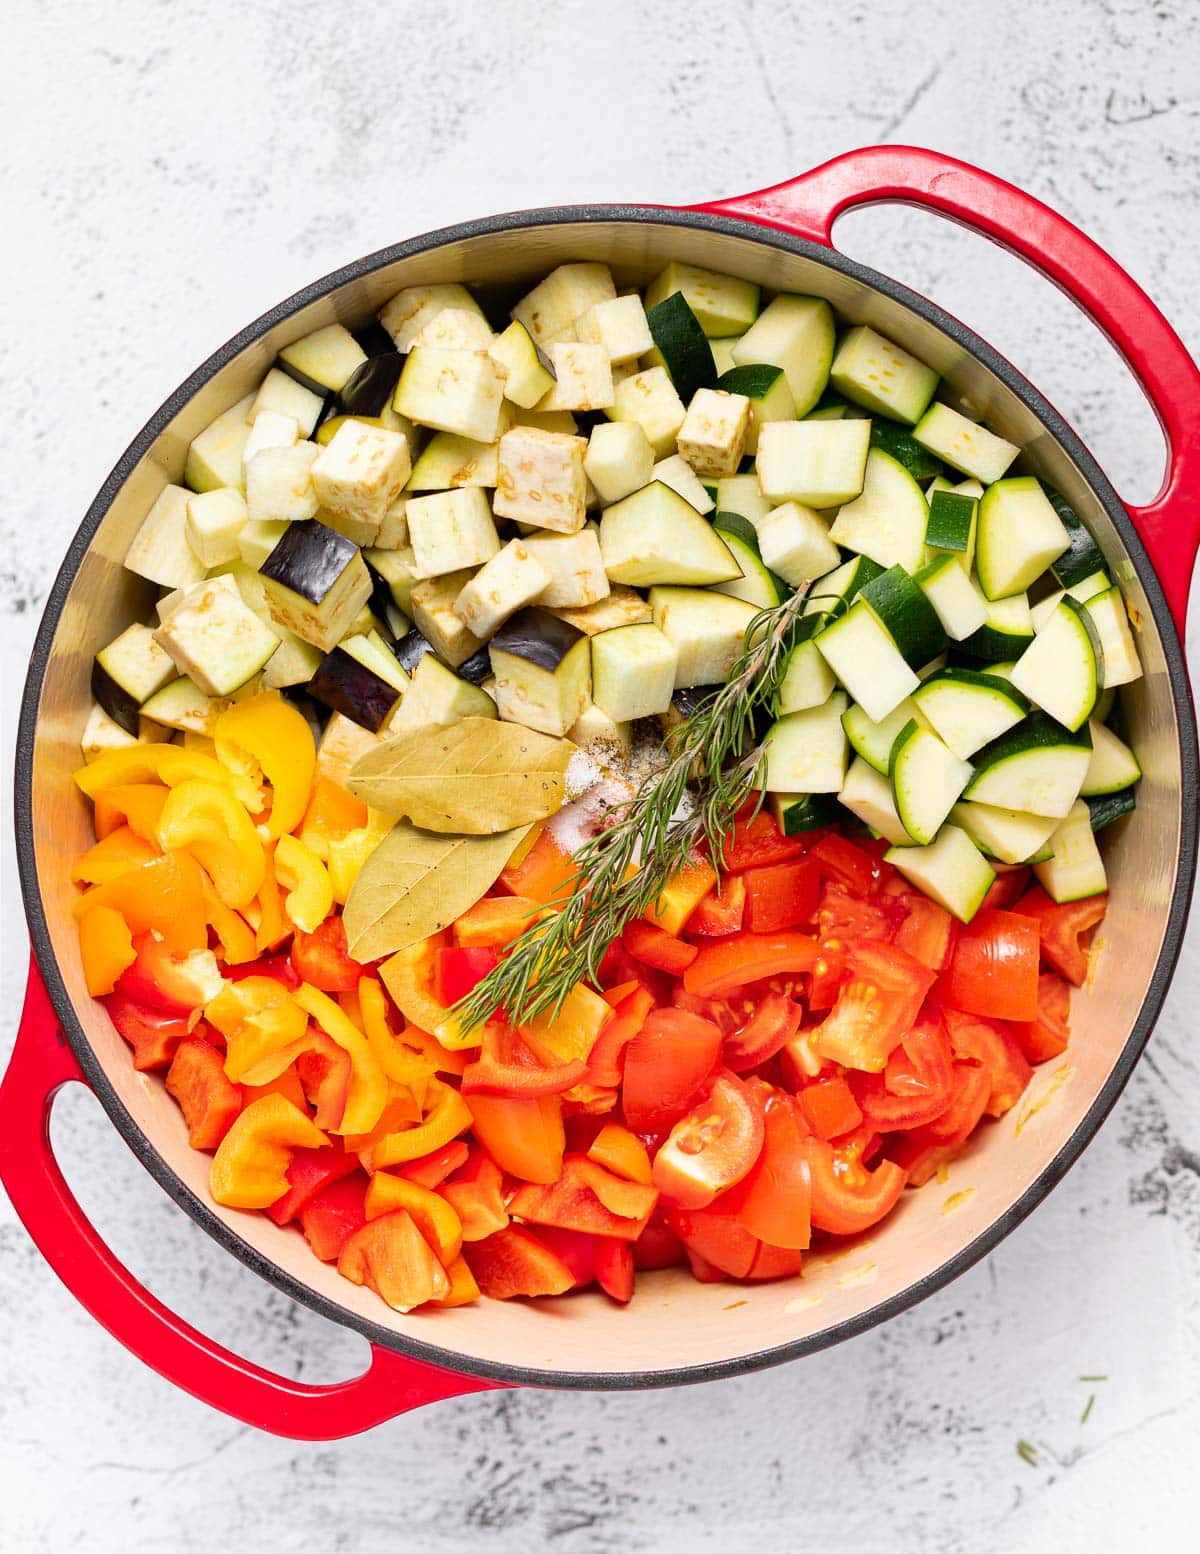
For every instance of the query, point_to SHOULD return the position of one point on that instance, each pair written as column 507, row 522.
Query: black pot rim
column 739, row 1365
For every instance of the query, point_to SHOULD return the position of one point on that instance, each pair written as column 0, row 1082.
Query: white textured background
column 170, row 171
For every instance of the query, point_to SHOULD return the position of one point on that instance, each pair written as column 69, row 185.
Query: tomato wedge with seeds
column 994, row 970
column 1061, row 929
column 774, row 1200
column 875, row 1008
column 713, row 1148
column 846, row 1197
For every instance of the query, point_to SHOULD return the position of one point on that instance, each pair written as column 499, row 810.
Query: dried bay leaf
column 417, row 882
column 474, row 778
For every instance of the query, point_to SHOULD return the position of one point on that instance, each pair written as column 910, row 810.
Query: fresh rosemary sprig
column 620, row 873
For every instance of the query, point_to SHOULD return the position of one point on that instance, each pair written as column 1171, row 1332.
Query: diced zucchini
column 214, row 456
column 794, row 542
column 1113, row 765
column 323, row 361
column 968, row 709
column 910, row 619
column 215, row 638
column 619, row 459
column 797, row 334
column 1110, row 619
column 887, row 521
column 743, row 495
column 1006, row 834
column 1084, row 558
column 873, row 741
column 757, row 585
column 1005, row 634
column 722, row 353
column 450, row 531
column 649, row 398
column 713, row 436
column 542, row 669
column 806, row 752
column 723, row 304
column 655, row 536
column 959, row 605
column 1019, row 535
column 1037, row 767
column 677, row 473
column 549, row 311
column 1076, row 870
column 837, row 589
column 868, row 794
column 436, row 695
column 963, row 444
column 806, row 680
column 926, row 779
column 706, row 629
column 1060, row 669
column 681, row 345
column 159, row 550
column 951, row 871
column 214, row 523
column 633, row 672
column 861, row 652
column 766, row 387
column 880, row 376
column 512, row 578
column 797, row 812
column 951, row 525
column 818, row 463
column 1106, row 808
column 452, row 391
column 127, row 673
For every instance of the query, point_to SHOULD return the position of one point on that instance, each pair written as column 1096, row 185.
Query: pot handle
column 809, row 205
column 42, row 1063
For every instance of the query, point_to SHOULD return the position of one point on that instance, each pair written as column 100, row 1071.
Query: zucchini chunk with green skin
column 951, row 871
column 649, row 398
column 436, row 694
column 832, row 593
column 818, row 463
column 541, row 479
column 127, row 673
column 867, row 794
column 1084, row 558
column 1082, row 591
column 345, row 684
column 887, row 520
column 1060, row 669
column 862, row 654
column 1106, row 808
column 215, row 455
column 452, row 391
column 806, row 680
column 901, row 445
column 655, row 536
column 758, row 585
column 881, row 377
column 1110, row 620
column 910, row 619
column 743, row 495
column 713, row 436
column 766, row 387
column 723, row 304
column 795, row 543
column 1006, row 834
column 968, row 709
column 406, row 314
column 1076, row 868
column 951, row 523
column 1005, row 634
column 527, row 375
column 316, row 583
column 797, row 334
column 549, row 311
column 619, row 459
column 677, row 473
column 633, row 672
column 965, row 446
column 512, row 578
column 959, row 605
column 1037, row 767
column 542, row 673
column 1113, row 765
column 873, row 741
column 926, row 779
column 1019, row 535
column 159, row 551
column 682, row 344
column 706, row 629
column 798, row 812
column 324, row 360
column 806, row 752
column 215, row 638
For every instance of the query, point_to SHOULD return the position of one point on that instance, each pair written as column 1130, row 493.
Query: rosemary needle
column 620, row 873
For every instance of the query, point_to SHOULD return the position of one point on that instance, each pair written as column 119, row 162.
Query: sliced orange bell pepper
column 165, row 895
column 206, row 820
column 287, row 1085
column 410, row 976
column 463, row 1289
column 543, row 874
column 117, row 853
column 249, row 1169
column 399, row 1062
column 237, row 938
column 682, row 894
column 309, row 898
column 106, row 946
column 572, row 1032
column 273, row 926
column 368, row 1090
column 496, row 921
column 434, row 1217
column 588, row 1198
column 476, row 1193
column 429, row 1047
column 391, row 1256
column 208, row 1100
column 332, row 813
column 169, row 764
column 524, row 1138
column 265, row 736
column 446, row 1117
column 263, row 1026
column 433, row 1169
column 514, row 1262
column 621, row 1152
column 136, row 804
column 604, row 1060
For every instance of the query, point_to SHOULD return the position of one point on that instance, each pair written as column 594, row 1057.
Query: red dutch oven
column 677, row 1330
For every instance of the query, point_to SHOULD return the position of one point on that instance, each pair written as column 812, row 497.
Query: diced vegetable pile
column 336, row 784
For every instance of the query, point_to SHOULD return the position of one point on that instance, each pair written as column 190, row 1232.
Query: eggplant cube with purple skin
column 713, row 436
column 452, row 391
column 512, row 578
column 316, row 583
column 541, row 479
column 279, row 485
column 451, row 530
column 542, row 667
column 360, row 473
column 215, row 638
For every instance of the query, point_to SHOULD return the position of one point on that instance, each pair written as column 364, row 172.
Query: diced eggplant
column 375, row 340
column 323, row 360
column 346, row 685
column 129, row 671
column 477, row 668
column 370, row 388
column 381, row 599
column 316, row 582
column 541, row 664
column 412, row 648
column 537, row 636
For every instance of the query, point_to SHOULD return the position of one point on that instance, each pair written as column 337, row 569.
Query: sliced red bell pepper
column 612, row 1261
column 731, row 962
column 621, row 1152
column 605, row 1061
column 666, row 1066
column 507, row 1066
column 322, row 958
column 153, row 1036
column 653, row 946
column 994, row 970
column 170, row 984
column 758, row 842
column 576, row 1249
column 476, row 1193
column 433, row 1169
column 1062, row 929
column 658, row 1246
column 278, row 966
column 324, row 1070
column 782, row 896
column 332, row 1215
column 460, row 970
column 1047, row 1036
column 1006, row 889
column 515, row 1262
column 310, row 1172
column 587, row 1198
column 208, row 1100
column 829, row 1108
column 496, row 921
column 721, row 911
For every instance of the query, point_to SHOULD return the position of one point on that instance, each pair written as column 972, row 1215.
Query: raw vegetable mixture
column 514, row 898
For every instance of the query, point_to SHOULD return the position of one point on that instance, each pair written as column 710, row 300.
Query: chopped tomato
column 713, row 1147
column 969, row 1090
column 782, row 895
column 323, row 960
column 666, row 1065
column 721, row 911
column 829, row 1108
column 843, row 917
column 757, row 843
column 915, row 1087
column 775, row 1020
column 875, row 1008
column 1062, row 929
column 653, row 946
column 459, row 970
column 1046, row 1036
column 614, row 1266
column 1005, row 889
column 775, row 1262
column 843, row 860
column 926, row 933
column 846, row 1197
column 718, row 1238
column 658, row 1246
column 731, row 962
column 994, row 970
column 773, row 1202
column 997, row 1053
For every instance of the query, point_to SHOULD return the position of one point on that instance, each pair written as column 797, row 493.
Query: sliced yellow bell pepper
column 205, row 819
column 263, row 1026
column 332, row 813
column 399, row 1063
column 106, row 946
column 572, row 1032
column 410, row 976
column 135, row 804
column 116, row 854
column 160, row 763
column 265, row 737
column 348, row 852
column 309, row 898
column 273, row 926
column 368, row 1090
column 249, row 1169
column 237, row 937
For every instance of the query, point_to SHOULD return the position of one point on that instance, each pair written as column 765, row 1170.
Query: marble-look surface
column 173, row 169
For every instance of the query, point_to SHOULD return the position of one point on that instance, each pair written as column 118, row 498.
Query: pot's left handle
column 42, row 1063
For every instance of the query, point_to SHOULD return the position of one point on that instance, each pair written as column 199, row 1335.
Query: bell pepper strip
column 463, row 1288
column 286, row 1084
column 446, row 1116
column 476, row 1194
column 368, row 1082
column 496, row 921
column 757, row 843
column 1047, row 1036
column 713, row 1148
column 875, row 1007
column 305, row 879
column 410, row 976
column 120, row 851
column 612, row 1261
column 774, row 1262
column 136, row 805
column 773, row 1201
column 324, row 1070
column 166, row 896
column 573, row 1031
column 524, row 1137
column 731, row 962
column 237, row 940
column 310, row 1172
column 586, row 1198
column 621, row 1152
column 514, row 1262
column 829, row 1108
column 153, row 1036
column 206, row 820
column 507, row 1067
column 846, row 1197
column 396, row 1056
column 332, row 813
column 926, row 933
column 440, row 1059
column 332, row 1216
column 994, row 970
column 667, row 1065
column 653, row 946
column 782, row 896
column 995, row 1049
column 172, row 984
column 265, row 737
column 718, row 1239
column 263, row 1026
column 159, row 763
column 613, row 996
column 346, row 855
column 106, row 949
column 433, row 1169
column 273, row 928
column 433, row 1216
column 722, row 911
column 542, row 871
column 460, row 969
column 577, row 1249
column 774, row 1022
column 210, row 1103
column 322, row 959
column 682, row 894
column 1061, row 930
column 249, row 1169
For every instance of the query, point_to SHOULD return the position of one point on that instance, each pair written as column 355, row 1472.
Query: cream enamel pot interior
column 676, row 1330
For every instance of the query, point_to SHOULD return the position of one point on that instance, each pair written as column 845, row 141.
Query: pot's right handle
column 809, row 206
column 42, row 1063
